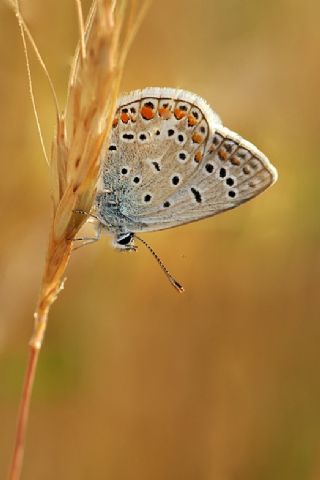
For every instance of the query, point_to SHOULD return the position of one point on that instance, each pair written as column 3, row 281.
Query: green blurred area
column 135, row 381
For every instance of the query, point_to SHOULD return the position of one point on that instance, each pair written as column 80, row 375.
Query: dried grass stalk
column 81, row 132
column 75, row 155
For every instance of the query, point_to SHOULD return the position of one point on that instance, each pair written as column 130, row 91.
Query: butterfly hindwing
column 170, row 161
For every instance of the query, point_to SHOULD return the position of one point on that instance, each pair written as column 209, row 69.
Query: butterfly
column 170, row 161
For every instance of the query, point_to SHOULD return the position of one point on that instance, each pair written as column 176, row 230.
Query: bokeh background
column 135, row 381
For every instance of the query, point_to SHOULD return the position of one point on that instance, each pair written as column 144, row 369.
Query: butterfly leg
column 88, row 240
column 82, row 212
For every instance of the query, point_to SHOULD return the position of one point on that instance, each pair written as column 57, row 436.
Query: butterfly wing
column 170, row 161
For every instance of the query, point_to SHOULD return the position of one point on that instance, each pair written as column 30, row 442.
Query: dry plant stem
column 48, row 295
column 81, row 28
column 23, row 414
column 50, row 289
column 75, row 157
column 22, row 30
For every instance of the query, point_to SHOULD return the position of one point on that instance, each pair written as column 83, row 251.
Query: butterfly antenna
column 171, row 279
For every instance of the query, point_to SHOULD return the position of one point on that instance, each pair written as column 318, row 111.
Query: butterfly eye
column 124, row 239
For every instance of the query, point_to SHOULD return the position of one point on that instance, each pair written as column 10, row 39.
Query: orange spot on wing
column 124, row 117
column 191, row 121
column 197, row 138
column 147, row 113
column 235, row 161
column 198, row 156
column 179, row 113
column 115, row 122
column 165, row 113
column 222, row 155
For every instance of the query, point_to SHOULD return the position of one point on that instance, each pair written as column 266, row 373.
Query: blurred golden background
column 135, row 381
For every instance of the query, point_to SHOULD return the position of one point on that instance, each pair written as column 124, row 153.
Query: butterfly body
column 170, row 161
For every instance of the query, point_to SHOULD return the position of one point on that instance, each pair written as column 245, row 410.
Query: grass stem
column 23, row 414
